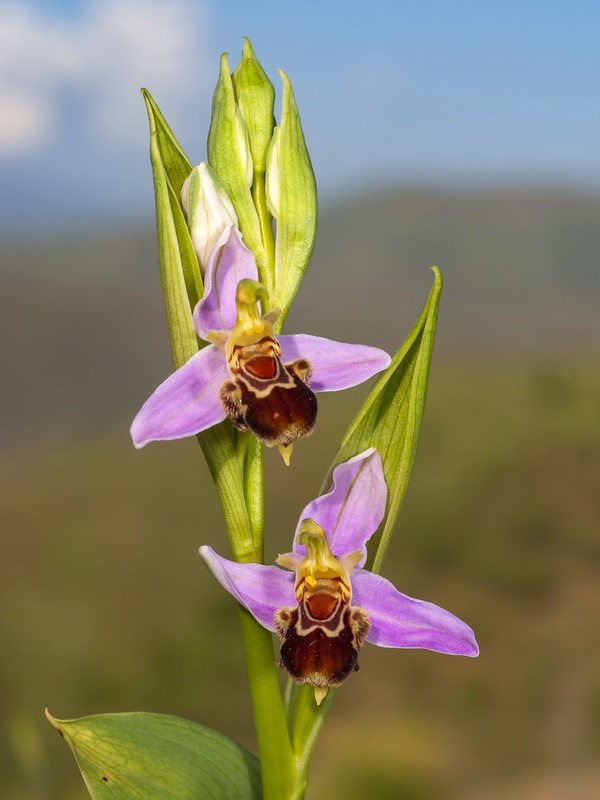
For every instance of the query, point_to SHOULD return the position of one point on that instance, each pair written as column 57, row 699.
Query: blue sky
column 451, row 92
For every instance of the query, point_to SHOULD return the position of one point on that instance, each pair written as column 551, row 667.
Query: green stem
column 227, row 475
column 259, row 195
column 254, row 490
column 289, row 702
column 239, row 482
column 276, row 761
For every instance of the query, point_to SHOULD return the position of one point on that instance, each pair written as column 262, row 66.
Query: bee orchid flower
column 324, row 605
column 262, row 382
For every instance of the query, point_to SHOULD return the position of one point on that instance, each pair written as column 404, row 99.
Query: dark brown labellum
column 268, row 397
column 321, row 639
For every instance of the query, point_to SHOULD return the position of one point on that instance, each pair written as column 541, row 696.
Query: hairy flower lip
column 187, row 402
column 397, row 620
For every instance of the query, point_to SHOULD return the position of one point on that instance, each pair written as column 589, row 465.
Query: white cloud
column 96, row 63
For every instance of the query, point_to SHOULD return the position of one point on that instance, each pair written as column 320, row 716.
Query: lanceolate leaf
column 173, row 159
column 157, row 757
column 390, row 419
column 180, row 275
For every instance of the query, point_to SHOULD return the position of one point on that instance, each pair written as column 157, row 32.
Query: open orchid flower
column 328, row 606
column 261, row 382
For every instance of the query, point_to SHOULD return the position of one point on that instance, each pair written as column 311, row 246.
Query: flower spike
column 324, row 607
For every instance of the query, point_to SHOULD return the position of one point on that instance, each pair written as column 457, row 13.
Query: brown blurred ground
column 108, row 607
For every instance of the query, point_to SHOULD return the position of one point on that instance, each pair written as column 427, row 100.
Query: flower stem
column 276, row 759
column 253, row 489
column 277, row 763
column 228, row 477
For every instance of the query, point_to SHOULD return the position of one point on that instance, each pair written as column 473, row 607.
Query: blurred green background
column 458, row 134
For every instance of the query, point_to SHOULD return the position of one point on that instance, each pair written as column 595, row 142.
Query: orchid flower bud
column 209, row 211
column 255, row 96
column 228, row 144
column 230, row 157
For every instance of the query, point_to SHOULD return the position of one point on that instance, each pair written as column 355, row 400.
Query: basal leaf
column 157, row 757
column 390, row 419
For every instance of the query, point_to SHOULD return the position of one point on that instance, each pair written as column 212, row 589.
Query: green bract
column 292, row 193
column 180, row 276
column 390, row 418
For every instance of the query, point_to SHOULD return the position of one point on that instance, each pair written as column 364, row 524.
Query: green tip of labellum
column 286, row 452
column 320, row 694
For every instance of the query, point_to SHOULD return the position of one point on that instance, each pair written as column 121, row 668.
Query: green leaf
column 173, row 159
column 179, row 272
column 390, row 419
column 229, row 156
column 157, row 757
column 292, row 190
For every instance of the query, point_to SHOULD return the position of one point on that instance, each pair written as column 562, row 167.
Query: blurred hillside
column 108, row 607
column 84, row 327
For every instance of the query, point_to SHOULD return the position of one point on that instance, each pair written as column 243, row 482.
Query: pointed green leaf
column 229, row 156
column 390, row 419
column 179, row 272
column 292, row 193
column 157, row 757
column 173, row 159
